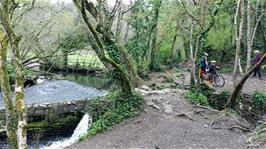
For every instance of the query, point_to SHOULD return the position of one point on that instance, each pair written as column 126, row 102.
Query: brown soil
column 169, row 121
column 251, row 85
column 185, row 126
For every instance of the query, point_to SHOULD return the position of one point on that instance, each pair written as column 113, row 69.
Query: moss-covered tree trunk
column 11, row 118
column 173, row 51
column 19, row 79
column 154, row 49
column 21, row 108
column 100, row 50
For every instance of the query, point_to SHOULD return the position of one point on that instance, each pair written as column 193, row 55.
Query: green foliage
column 165, row 52
column 259, row 133
column 113, row 52
column 136, row 47
column 12, row 73
column 143, row 69
column 156, row 65
column 206, row 90
column 258, row 100
column 168, row 79
column 117, row 108
column 73, row 41
column 226, row 69
column 218, row 101
column 221, row 35
column 197, row 98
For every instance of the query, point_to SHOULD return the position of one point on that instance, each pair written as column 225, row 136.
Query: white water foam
column 81, row 129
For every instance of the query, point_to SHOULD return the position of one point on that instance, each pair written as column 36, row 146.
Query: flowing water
column 79, row 131
column 90, row 86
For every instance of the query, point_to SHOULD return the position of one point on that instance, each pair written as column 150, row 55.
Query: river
column 75, row 86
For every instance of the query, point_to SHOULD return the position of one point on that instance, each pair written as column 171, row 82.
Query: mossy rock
column 66, row 122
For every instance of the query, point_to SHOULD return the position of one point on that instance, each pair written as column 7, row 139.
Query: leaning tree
column 110, row 51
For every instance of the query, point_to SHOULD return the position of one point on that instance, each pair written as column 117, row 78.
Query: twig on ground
column 183, row 114
column 205, row 107
column 213, row 121
column 200, row 112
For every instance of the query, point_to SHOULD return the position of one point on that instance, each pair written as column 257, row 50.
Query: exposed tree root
column 239, row 127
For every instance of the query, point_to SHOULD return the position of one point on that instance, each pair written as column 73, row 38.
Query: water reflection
column 99, row 82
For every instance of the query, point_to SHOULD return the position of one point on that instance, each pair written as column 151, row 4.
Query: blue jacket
column 203, row 64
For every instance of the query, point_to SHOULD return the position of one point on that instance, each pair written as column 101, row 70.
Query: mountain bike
column 213, row 78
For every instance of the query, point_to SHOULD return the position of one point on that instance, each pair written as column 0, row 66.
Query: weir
column 54, row 103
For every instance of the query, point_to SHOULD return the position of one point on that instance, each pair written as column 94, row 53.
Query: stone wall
column 50, row 112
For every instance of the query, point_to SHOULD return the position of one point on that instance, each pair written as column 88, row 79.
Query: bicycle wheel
column 219, row 81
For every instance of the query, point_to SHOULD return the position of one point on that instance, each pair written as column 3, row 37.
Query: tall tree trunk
column 65, row 55
column 20, row 104
column 193, row 69
column 154, row 49
column 116, row 50
column 249, row 36
column 11, row 118
column 252, row 28
column 19, row 79
column 238, row 35
column 173, row 47
column 100, row 50
column 126, row 32
column 127, row 27
column 119, row 22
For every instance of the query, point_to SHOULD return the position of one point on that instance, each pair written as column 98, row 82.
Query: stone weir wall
column 46, row 115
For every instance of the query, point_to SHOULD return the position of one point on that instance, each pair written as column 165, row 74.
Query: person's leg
column 255, row 72
column 259, row 72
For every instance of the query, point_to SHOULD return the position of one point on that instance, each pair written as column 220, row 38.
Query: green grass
column 195, row 98
column 90, row 60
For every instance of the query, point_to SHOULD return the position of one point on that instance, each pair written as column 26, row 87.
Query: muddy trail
column 169, row 121
column 172, row 78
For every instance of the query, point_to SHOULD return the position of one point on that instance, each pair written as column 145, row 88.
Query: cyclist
column 204, row 66
column 212, row 69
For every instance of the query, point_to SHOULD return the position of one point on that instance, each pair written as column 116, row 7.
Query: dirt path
column 251, row 85
column 169, row 77
column 171, row 122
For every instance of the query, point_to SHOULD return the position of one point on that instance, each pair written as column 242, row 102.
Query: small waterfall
column 81, row 129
